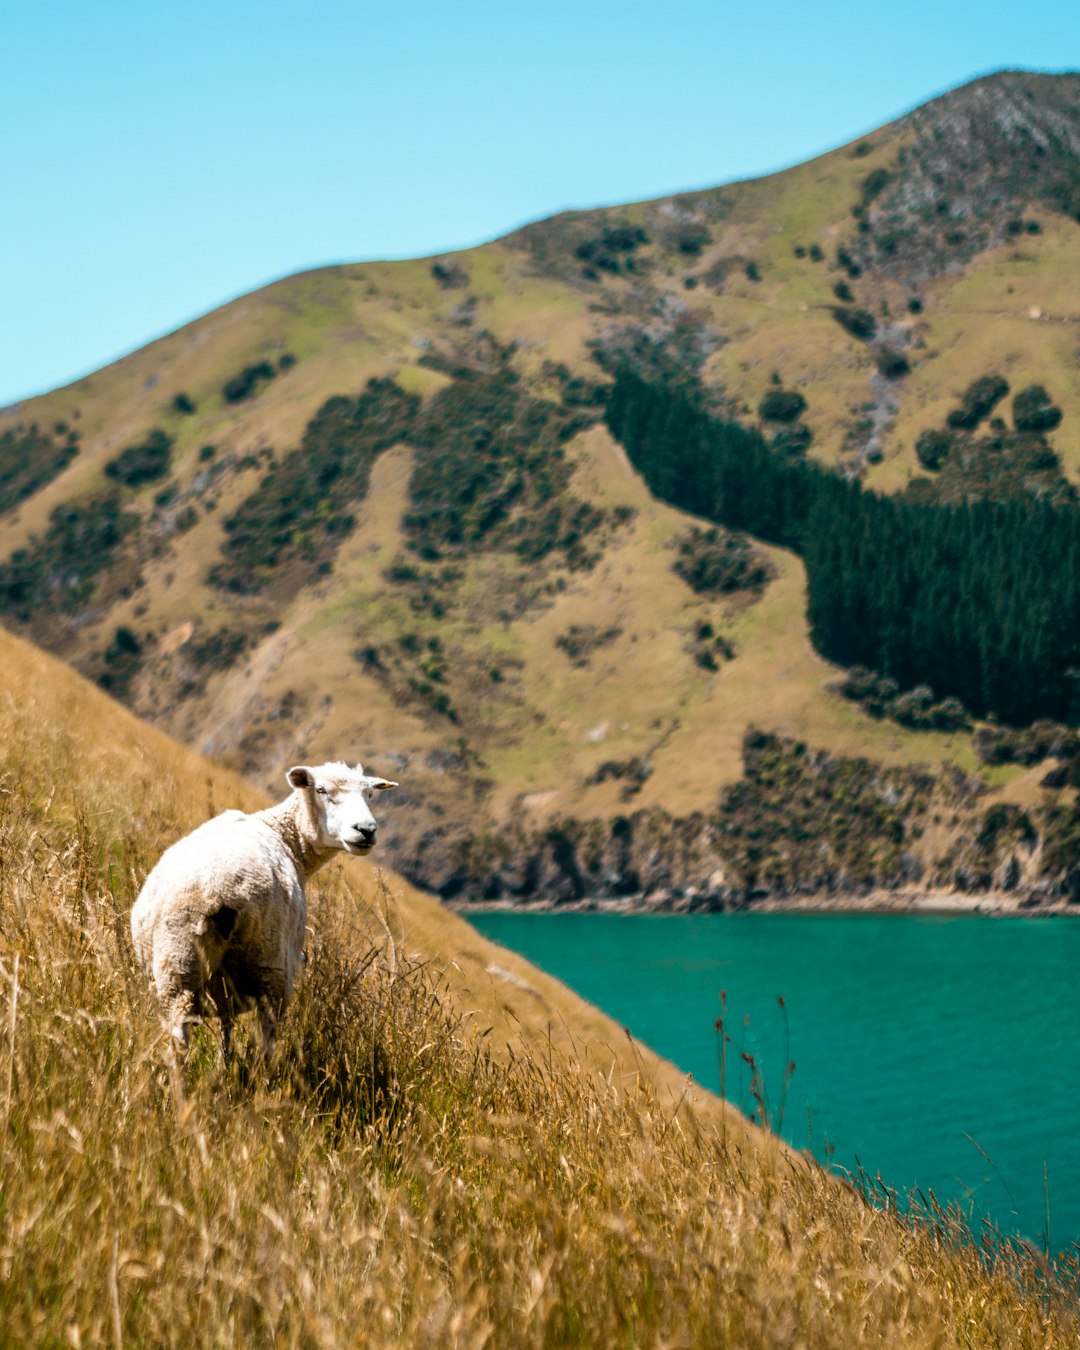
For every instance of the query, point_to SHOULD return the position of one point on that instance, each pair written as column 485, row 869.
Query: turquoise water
column 942, row 1053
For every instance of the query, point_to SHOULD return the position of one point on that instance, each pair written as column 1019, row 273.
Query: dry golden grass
column 405, row 1175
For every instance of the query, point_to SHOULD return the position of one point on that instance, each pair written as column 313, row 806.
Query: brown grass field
column 450, row 1149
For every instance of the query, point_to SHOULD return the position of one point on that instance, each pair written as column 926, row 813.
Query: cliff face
column 800, row 822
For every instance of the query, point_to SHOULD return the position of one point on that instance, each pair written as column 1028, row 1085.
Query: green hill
column 374, row 510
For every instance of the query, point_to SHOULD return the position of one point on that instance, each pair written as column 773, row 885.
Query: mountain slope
column 454, row 572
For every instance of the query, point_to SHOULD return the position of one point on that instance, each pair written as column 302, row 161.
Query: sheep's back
column 234, row 860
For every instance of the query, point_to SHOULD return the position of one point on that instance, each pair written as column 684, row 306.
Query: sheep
column 219, row 923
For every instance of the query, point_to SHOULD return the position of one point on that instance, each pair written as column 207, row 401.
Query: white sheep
column 219, row 923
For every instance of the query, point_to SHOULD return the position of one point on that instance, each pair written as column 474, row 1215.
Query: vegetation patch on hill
column 146, row 462
column 492, row 473
column 581, row 641
column 718, row 562
column 250, row 381
column 57, row 572
column 1002, row 465
column 303, row 507
column 30, row 459
column 800, row 818
column 918, row 708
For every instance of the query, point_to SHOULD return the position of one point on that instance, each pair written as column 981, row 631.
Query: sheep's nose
column 366, row 833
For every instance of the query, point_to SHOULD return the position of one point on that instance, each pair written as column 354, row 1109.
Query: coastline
column 992, row 904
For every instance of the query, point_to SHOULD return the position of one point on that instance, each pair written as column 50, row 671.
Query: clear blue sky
column 161, row 158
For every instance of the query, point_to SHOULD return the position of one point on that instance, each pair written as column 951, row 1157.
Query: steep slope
column 449, row 1149
column 454, row 570
column 88, row 767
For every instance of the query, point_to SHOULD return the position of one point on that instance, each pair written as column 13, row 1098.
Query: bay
column 938, row 1052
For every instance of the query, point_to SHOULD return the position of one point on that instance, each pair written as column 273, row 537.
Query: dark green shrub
column 753, row 271
column 949, row 715
column 874, row 184
column 893, row 364
column 1026, row 745
column 286, row 361
column 816, row 254
column 612, row 250
column 915, row 305
column 860, row 323
column 719, row 562
column 843, row 292
column 804, row 815
column 933, row 448
column 207, row 452
column 911, row 708
column 248, row 382
column 581, row 640
column 143, row 463
column 633, row 773
column 781, row 405
column 917, row 708
column 182, row 404
column 1005, row 818
column 792, row 441
column 687, row 237
column 848, row 263
column 451, row 276
column 1033, row 410
column 980, row 399
column 122, row 658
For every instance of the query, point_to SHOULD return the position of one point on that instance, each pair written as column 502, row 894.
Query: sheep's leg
column 267, row 1025
column 270, row 1003
column 221, row 993
column 179, row 1013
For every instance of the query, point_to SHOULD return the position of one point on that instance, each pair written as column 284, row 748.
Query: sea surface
column 935, row 1052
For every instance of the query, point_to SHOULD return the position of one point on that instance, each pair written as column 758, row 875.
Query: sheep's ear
column 300, row 777
column 380, row 784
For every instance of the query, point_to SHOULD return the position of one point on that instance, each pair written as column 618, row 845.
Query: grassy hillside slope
column 451, row 1149
column 545, row 661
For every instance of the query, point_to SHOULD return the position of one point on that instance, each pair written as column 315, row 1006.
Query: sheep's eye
column 321, row 791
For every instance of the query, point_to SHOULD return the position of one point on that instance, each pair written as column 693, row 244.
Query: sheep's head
column 337, row 798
